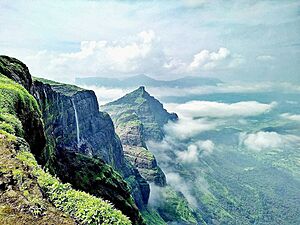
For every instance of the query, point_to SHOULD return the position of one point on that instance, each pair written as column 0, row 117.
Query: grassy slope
column 81, row 206
column 66, row 89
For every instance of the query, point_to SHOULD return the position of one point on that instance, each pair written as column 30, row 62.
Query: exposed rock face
column 97, row 136
column 140, row 117
column 97, row 140
column 16, row 70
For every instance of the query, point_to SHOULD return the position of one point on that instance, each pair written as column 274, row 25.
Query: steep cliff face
column 139, row 117
column 72, row 118
column 73, row 123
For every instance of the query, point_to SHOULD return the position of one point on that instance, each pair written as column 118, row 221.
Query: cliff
column 28, row 194
column 73, row 122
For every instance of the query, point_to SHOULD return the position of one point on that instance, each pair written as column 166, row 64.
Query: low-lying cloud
column 220, row 110
column 190, row 155
column 267, row 140
column 195, row 150
column 186, row 128
column 289, row 116
column 180, row 184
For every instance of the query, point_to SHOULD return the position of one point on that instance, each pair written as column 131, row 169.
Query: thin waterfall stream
column 77, row 124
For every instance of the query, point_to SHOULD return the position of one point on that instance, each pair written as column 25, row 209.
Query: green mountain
column 138, row 118
column 143, row 107
column 143, row 80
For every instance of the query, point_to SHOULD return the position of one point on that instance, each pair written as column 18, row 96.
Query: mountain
column 139, row 118
column 59, row 127
column 143, row 80
column 141, row 104
column 30, row 194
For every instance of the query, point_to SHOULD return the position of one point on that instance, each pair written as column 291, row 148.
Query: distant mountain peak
column 148, row 109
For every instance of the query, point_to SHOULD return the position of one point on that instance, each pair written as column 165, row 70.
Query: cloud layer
column 220, row 110
column 187, row 127
column 293, row 117
column 267, row 140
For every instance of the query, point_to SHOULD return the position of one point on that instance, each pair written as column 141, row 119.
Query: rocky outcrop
column 16, row 70
column 139, row 117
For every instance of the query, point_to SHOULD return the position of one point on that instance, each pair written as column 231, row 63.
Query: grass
column 152, row 217
column 84, row 207
column 15, row 101
column 66, row 89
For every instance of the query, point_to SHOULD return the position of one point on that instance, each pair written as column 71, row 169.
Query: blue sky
column 243, row 40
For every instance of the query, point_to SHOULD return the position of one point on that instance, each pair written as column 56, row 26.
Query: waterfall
column 77, row 124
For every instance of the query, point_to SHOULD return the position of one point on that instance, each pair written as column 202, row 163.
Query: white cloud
column 207, row 146
column 266, row 140
column 179, row 184
column 293, row 117
column 190, row 155
column 136, row 54
column 208, row 60
column 186, row 128
column 220, row 110
column 195, row 3
column 193, row 152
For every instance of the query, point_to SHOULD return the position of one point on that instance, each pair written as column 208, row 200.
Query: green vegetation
column 152, row 217
column 12, row 66
column 21, row 198
column 175, row 207
column 14, row 96
column 66, row 89
column 85, row 208
column 92, row 175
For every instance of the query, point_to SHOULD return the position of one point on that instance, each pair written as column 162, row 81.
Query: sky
column 241, row 40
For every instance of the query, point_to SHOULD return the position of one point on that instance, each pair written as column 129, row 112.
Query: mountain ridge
column 144, row 80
